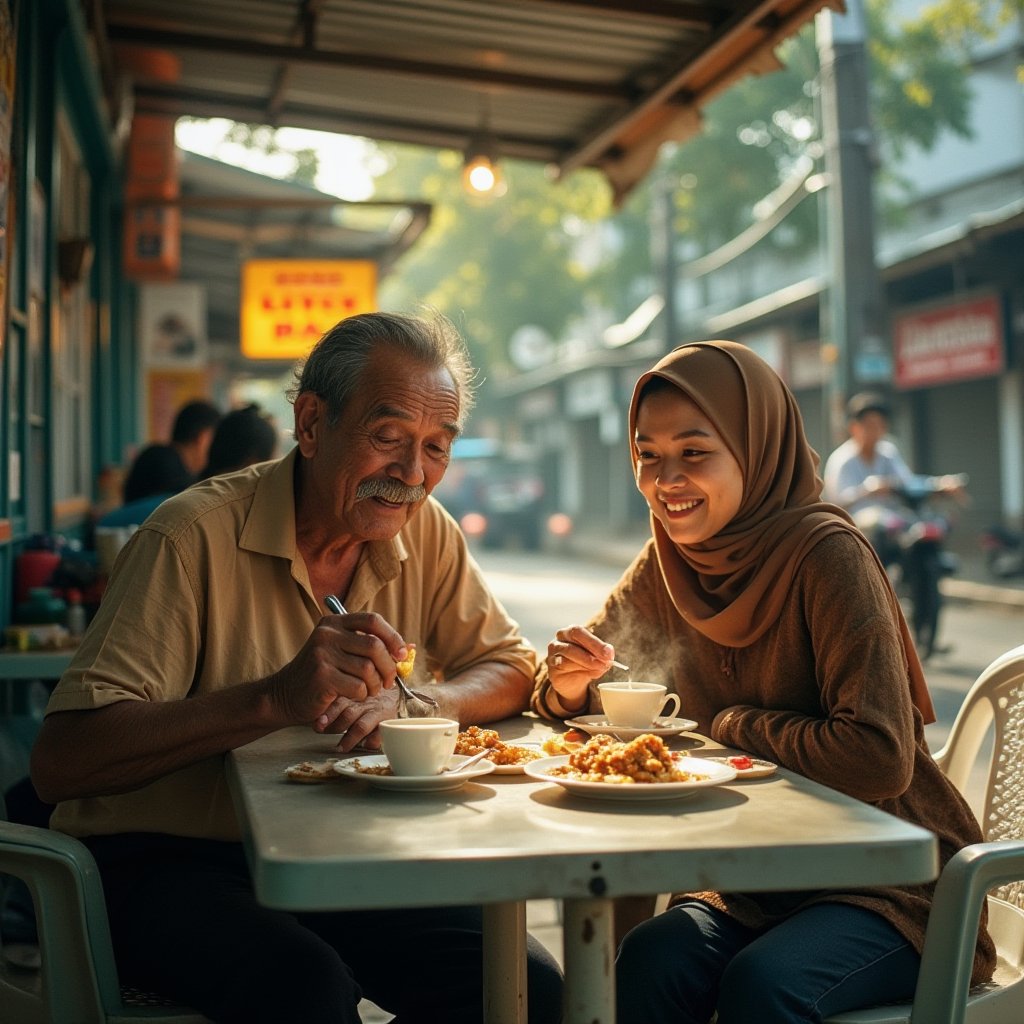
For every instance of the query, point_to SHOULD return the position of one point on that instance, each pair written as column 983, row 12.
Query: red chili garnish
column 741, row 763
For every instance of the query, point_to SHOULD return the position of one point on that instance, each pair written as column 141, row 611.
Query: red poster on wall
column 948, row 343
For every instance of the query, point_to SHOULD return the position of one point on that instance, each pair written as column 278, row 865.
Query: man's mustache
column 390, row 490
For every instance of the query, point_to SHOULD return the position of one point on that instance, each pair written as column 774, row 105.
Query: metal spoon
column 339, row 609
column 478, row 756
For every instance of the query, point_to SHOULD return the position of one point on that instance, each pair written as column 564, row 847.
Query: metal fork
column 406, row 694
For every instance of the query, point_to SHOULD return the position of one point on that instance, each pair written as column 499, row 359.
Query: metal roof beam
column 700, row 16
column 301, row 54
column 176, row 101
column 761, row 19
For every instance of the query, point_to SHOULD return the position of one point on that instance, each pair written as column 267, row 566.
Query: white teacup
column 637, row 705
column 418, row 746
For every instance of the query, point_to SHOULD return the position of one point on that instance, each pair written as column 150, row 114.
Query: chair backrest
column 994, row 705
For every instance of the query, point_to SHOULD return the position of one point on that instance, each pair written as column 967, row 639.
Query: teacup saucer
column 409, row 783
column 598, row 724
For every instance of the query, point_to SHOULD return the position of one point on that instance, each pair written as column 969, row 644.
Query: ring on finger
column 556, row 660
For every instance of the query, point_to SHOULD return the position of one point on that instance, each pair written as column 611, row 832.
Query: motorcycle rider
column 864, row 469
column 869, row 477
column 864, row 474
column 867, row 470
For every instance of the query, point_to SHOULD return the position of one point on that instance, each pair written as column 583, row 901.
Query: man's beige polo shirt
column 211, row 592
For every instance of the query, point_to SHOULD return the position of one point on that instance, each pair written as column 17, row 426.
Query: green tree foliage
column 264, row 138
column 965, row 23
column 755, row 132
column 492, row 267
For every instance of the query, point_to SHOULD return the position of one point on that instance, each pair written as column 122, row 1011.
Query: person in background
column 155, row 474
column 867, row 475
column 774, row 621
column 213, row 633
column 867, row 467
column 243, row 437
column 192, row 433
column 161, row 470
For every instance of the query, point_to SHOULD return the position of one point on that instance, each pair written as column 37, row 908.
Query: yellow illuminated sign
column 288, row 304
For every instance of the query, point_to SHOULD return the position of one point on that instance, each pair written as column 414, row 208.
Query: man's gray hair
column 334, row 367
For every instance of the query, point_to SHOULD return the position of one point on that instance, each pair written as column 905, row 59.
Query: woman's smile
column 677, row 506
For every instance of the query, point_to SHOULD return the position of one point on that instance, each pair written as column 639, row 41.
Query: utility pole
column 855, row 325
column 663, row 251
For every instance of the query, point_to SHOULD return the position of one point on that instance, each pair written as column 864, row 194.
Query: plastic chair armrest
column 79, row 974
column 948, row 954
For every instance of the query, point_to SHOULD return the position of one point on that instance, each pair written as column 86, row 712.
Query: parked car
column 495, row 495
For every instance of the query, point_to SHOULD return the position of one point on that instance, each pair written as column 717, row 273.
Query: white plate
column 432, row 783
column 759, row 770
column 716, row 775
column 598, row 724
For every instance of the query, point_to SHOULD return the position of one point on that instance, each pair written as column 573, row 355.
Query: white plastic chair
column 78, row 979
column 994, row 704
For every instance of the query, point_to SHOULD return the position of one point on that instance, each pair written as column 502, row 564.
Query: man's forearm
column 485, row 693
column 122, row 746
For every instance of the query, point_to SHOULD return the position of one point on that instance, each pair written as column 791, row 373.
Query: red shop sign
column 959, row 341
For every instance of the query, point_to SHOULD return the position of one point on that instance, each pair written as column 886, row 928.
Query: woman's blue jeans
column 684, row 965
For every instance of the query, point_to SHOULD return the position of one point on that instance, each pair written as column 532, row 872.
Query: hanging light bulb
column 482, row 177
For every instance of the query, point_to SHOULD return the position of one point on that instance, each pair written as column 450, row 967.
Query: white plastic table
column 502, row 840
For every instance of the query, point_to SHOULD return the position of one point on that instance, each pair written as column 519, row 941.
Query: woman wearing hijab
column 768, row 612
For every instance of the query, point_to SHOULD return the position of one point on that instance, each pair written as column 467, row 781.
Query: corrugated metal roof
column 570, row 83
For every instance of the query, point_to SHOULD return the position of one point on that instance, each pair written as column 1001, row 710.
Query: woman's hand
column 575, row 658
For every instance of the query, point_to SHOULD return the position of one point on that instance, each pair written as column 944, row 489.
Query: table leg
column 588, row 930
column 505, row 963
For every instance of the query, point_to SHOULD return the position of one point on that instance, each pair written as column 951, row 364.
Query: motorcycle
column 909, row 536
column 1004, row 551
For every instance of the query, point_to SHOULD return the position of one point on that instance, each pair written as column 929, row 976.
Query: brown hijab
column 732, row 587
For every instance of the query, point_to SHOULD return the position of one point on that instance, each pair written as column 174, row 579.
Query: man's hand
column 355, row 722
column 878, row 485
column 954, row 485
column 342, row 681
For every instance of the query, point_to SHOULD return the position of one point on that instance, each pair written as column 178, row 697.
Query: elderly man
column 213, row 632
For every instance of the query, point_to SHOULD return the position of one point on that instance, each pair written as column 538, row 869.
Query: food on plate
column 312, row 771
column 556, row 746
column 371, row 769
column 474, row 739
column 404, row 667
column 643, row 760
column 747, row 767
